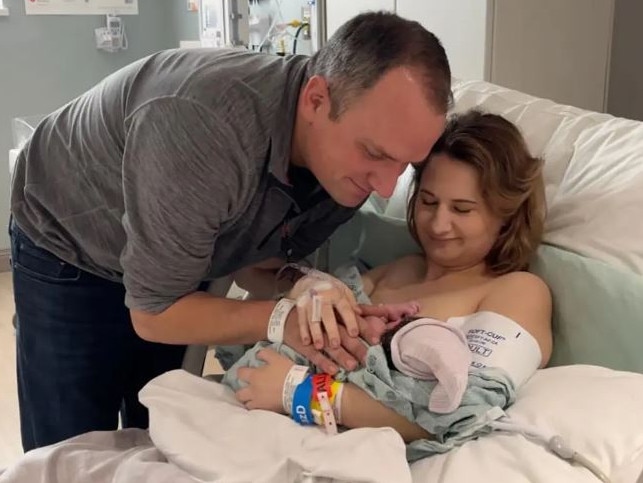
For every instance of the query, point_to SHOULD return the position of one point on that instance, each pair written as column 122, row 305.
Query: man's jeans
column 79, row 359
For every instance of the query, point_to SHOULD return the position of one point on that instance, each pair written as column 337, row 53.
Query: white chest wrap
column 497, row 341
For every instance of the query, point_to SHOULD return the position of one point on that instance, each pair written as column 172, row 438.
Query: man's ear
column 315, row 98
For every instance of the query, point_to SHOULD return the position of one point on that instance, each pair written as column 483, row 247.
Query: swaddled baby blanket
column 488, row 391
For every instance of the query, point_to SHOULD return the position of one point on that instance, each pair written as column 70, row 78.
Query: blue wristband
column 301, row 402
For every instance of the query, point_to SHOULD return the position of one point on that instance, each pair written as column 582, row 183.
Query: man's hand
column 320, row 299
column 352, row 350
column 346, row 355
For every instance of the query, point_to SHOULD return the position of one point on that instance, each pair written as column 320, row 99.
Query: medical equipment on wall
column 274, row 32
column 224, row 23
column 278, row 27
column 112, row 37
column 317, row 24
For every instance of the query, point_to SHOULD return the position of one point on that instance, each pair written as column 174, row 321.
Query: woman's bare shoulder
column 518, row 291
column 393, row 273
column 523, row 281
column 407, row 266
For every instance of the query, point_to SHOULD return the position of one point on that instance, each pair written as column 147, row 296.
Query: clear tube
column 278, row 16
column 554, row 442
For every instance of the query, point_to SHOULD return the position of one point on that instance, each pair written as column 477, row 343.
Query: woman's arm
column 521, row 296
column 526, row 299
column 359, row 410
column 265, row 385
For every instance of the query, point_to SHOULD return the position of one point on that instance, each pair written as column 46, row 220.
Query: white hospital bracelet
column 329, row 420
column 295, row 376
column 278, row 318
column 337, row 404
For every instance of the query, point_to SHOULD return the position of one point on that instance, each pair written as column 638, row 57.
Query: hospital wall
column 626, row 70
column 47, row 60
column 185, row 23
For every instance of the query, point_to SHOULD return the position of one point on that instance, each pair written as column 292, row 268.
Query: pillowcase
column 597, row 310
column 371, row 239
column 597, row 411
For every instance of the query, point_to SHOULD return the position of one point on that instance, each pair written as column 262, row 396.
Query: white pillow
column 593, row 171
column 396, row 207
column 597, row 411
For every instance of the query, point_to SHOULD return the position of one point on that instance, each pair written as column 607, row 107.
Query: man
column 184, row 167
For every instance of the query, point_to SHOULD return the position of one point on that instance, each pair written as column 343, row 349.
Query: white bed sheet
column 199, row 433
column 199, row 426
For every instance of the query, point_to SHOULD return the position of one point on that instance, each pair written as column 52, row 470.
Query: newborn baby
column 426, row 349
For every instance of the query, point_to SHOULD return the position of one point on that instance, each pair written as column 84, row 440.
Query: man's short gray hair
column 366, row 47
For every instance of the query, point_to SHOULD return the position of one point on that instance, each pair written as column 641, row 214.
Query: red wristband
column 322, row 383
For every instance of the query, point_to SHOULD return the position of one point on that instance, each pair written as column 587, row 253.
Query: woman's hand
column 318, row 296
column 265, row 384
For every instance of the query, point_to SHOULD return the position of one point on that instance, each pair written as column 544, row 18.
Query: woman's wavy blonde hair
column 510, row 179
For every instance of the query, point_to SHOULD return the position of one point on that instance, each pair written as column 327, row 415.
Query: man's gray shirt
column 172, row 171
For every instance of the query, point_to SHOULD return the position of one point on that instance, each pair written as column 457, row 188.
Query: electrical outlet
column 305, row 14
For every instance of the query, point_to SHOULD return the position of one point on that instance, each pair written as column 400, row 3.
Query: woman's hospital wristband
column 316, row 400
column 301, row 412
column 295, row 376
column 338, row 390
column 325, row 390
column 334, row 389
column 277, row 321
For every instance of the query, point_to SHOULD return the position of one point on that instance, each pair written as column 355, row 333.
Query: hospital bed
column 592, row 393
column 592, row 260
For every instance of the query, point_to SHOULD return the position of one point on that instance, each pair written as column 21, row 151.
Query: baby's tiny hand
column 392, row 312
column 399, row 311
column 377, row 319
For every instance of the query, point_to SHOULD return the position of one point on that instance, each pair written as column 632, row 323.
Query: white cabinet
column 463, row 27
column 554, row 49
column 339, row 11
column 548, row 48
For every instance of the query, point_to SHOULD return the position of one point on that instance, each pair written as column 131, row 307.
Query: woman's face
column 454, row 224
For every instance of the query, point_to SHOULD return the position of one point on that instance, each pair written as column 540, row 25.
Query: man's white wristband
column 278, row 318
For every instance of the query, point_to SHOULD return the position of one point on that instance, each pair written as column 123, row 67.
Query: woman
column 476, row 210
